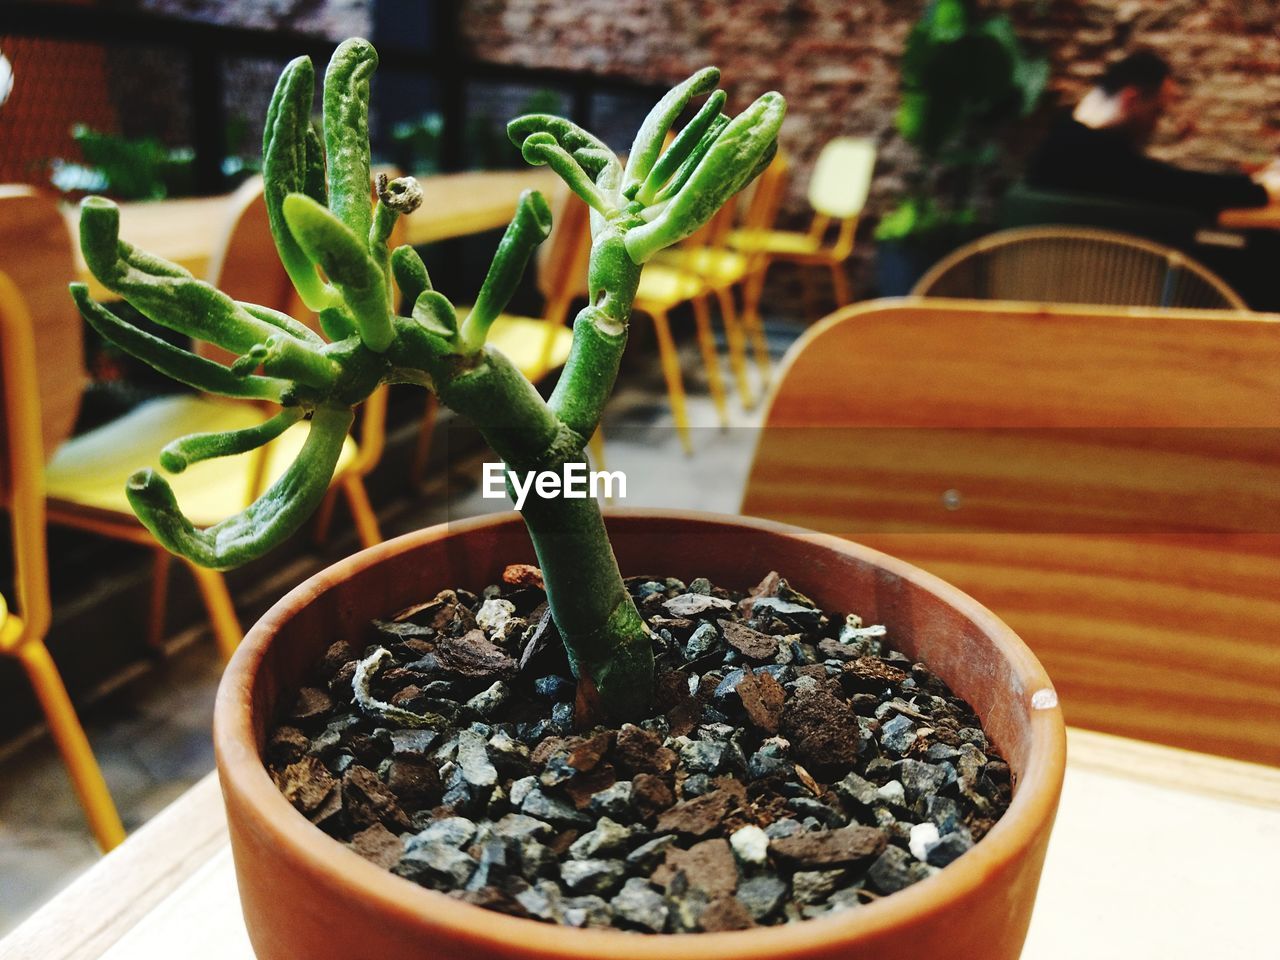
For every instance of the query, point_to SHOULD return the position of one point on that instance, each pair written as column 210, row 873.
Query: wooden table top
column 1157, row 852
column 1252, row 218
column 454, row 205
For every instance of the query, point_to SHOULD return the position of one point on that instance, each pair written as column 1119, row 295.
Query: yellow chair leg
column 675, row 384
column 737, row 346
column 362, row 511
column 324, row 517
column 752, row 293
column 422, row 449
column 710, row 358
column 222, row 612
column 161, row 561
column 596, row 446
column 840, row 284
column 68, row 734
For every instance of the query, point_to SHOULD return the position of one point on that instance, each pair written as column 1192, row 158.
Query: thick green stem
column 603, row 633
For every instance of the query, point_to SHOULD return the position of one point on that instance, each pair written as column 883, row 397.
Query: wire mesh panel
column 1073, row 265
column 56, row 84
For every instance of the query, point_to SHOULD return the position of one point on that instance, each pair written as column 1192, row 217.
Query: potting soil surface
column 795, row 764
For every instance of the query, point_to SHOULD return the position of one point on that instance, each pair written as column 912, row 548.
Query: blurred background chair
column 22, row 630
column 721, row 268
column 85, row 476
column 1106, row 479
column 536, row 345
column 669, row 283
column 837, row 192
column 1076, row 265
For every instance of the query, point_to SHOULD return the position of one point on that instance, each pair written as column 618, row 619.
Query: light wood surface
column 35, row 254
column 187, row 231
column 1137, row 868
column 1252, row 218
column 1119, row 508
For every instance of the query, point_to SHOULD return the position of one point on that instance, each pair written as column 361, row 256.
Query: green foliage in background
column 964, row 79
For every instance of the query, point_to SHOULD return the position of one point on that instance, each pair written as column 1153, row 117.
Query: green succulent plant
column 333, row 242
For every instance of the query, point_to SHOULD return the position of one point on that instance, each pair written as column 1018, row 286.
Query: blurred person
column 1098, row 149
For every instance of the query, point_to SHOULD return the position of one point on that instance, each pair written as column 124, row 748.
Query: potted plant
column 508, row 781
column 964, row 78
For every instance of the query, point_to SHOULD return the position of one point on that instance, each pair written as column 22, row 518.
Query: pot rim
column 241, row 769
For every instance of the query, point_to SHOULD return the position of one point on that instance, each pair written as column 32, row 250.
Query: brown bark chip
column 827, row 849
column 762, row 697
column 306, row 784
column 586, row 755
column 708, row 866
column 639, row 751
column 870, row 675
column 367, row 800
column 701, row 815
column 378, row 844
column 823, row 729
column 474, row 655
column 523, row 575
column 651, row 794
column 584, row 786
column 724, row 913
column 752, row 644
column 312, row 704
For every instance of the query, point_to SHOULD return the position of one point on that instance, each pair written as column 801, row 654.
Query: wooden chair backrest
column 562, row 259
column 36, row 254
column 841, row 177
column 1062, row 264
column 764, row 197
column 22, row 458
column 1107, row 480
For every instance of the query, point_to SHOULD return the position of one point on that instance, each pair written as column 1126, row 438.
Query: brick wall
column 836, row 62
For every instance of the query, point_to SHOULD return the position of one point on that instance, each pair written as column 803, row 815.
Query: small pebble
column 639, row 905
column 592, row 876
column 924, row 837
column 750, row 844
column 762, row 895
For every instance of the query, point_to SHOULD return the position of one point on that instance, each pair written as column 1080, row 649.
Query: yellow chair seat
column 780, row 242
column 718, row 266
column 90, row 470
column 10, row 627
column 664, row 286
column 523, row 340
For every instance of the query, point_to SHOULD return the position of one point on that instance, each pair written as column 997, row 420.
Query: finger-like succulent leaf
column 173, row 362
column 346, row 133
column 264, row 524
column 346, row 261
column 288, row 159
column 592, row 154
column 648, row 141
column 729, row 163
column 181, row 453
column 410, row 272
column 528, row 228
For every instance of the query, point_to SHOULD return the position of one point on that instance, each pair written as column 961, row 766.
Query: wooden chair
column 721, row 268
column 1105, row 479
column 23, row 630
column 1060, row 264
column 85, row 475
column 536, row 345
column 837, row 192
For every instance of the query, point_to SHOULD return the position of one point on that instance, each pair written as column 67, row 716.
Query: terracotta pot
column 307, row 897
